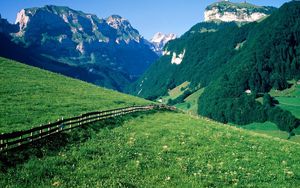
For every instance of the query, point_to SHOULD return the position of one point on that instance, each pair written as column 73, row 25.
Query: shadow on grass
column 52, row 145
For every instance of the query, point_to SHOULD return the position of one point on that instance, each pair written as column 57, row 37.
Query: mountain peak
column 227, row 11
column 159, row 40
column 116, row 21
column 164, row 38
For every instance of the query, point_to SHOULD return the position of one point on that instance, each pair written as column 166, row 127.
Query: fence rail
column 15, row 139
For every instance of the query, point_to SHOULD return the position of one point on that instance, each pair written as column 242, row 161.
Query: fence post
column 62, row 127
column 80, row 119
column 31, row 134
column 40, row 132
column 20, row 139
column 6, row 145
column 49, row 128
column 57, row 127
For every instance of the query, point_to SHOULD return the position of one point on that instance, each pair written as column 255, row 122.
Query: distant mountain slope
column 236, row 63
column 96, row 74
column 240, row 12
column 31, row 96
column 206, row 48
column 103, row 46
column 6, row 27
column 81, row 38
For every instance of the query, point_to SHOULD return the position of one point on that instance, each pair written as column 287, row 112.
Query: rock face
column 159, row 40
column 81, row 39
column 239, row 12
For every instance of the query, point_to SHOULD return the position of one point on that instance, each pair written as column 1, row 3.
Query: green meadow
column 149, row 149
column 30, row 96
column 164, row 149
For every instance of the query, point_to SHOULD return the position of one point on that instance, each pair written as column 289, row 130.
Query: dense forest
column 208, row 46
column 269, row 58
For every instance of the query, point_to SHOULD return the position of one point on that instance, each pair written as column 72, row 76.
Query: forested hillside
column 236, row 63
column 207, row 46
column 268, row 60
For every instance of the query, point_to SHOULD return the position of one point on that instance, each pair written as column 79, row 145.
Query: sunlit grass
column 30, row 96
column 166, row 150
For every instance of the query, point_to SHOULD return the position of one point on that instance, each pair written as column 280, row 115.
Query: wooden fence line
column 15, row 139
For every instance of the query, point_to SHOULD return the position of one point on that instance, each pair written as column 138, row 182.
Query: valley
column 238, row 63
column 87, row 101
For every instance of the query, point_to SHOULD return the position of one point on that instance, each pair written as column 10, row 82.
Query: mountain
column 98, row 74
column 6, row 27
column 240, row 12
column 159, row 40
column 236, row 65
column 267, row 60
column 84, row 40
column 192, row 58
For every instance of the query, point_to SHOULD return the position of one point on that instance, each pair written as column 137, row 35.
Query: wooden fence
column 15, row 139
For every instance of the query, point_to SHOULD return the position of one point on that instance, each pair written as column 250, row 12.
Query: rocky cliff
column 240, row 12
column 79, row 38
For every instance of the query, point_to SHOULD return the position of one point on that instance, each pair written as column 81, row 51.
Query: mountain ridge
column 84, row 40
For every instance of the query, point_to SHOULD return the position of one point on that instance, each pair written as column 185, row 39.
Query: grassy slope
column 175, row 92
column 271, row 129
column 30, row 96
column 289, row 99
column 190, row 104
column 166, row 150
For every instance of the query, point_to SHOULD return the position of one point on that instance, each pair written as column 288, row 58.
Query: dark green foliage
column 270, row 58
column 208, row 46
column 269, row 101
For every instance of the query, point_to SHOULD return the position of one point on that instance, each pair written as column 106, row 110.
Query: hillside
column 164, row 150
column 31, row 96
column 207, row 47
column 236, row 64
column 268, row 60
column 106, row 77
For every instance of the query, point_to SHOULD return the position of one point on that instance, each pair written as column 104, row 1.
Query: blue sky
column 148, row 16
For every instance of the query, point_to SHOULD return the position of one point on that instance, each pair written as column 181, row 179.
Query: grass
column 291, row 104
column 154, row 149
column 289, row 99
column 175, row 92
column 178, row 90
column 191, row 102
column 165, row 150
column 271, row 129
column 30, row 96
